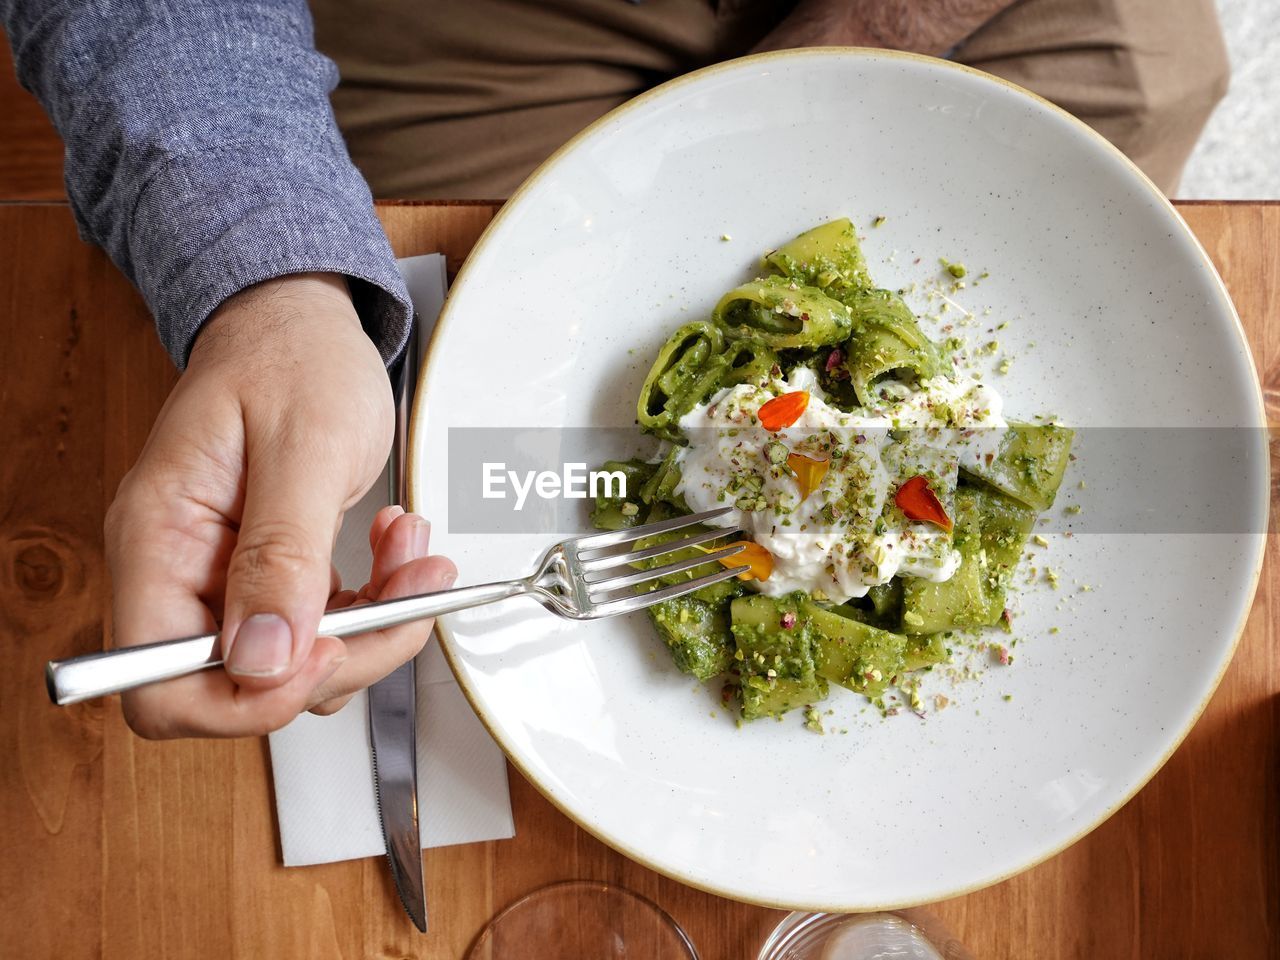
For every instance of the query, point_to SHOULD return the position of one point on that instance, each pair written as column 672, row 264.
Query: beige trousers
column 463, row 98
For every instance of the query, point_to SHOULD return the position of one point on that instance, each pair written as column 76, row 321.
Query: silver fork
column 576, row 579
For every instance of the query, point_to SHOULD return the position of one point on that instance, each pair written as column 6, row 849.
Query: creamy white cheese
column 845, row 536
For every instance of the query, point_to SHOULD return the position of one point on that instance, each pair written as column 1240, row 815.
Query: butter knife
column 393, row 706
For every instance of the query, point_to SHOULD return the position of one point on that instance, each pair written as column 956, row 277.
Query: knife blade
column 392, row 704
column 393, row 708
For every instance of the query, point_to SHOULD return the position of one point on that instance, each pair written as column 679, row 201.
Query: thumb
column 278, row 580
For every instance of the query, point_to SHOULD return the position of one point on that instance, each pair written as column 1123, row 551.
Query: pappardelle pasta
column 886, row 499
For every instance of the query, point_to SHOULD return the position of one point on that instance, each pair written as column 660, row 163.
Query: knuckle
column 279, row 550
column 145, row 503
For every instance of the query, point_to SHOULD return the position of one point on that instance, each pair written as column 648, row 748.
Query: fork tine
column 642, row 600
column 679, row 566
column 631, row 534
column 657, row 550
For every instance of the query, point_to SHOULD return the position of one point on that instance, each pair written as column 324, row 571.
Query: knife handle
column 114, row 671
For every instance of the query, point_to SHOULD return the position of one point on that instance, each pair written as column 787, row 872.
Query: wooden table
column 115, row 847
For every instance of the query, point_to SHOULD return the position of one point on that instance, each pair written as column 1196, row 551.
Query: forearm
column 920, row 26
column 202, row 153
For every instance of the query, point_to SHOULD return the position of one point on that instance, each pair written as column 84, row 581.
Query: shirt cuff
column 212, row 223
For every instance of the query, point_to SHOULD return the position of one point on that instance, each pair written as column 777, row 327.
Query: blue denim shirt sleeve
column 202, row 153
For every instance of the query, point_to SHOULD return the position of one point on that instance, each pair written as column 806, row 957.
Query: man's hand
column 281, row 422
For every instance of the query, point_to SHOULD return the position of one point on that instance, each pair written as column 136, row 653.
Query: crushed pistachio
column 813, row 720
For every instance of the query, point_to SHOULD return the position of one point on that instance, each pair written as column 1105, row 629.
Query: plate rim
column 433, row 356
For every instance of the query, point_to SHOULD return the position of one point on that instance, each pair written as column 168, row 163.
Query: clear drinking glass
column 589, row 920
column 583, row 920
column 901, row 935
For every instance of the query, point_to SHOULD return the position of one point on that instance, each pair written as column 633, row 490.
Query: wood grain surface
column 30, row 151
column 114, row 847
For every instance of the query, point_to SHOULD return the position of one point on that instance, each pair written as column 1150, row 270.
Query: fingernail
column 448, row 579
column 262, row 648
column 396, row 511
column 421, row 538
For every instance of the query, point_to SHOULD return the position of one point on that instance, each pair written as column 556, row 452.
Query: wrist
column 275, row 312
column 278, row 349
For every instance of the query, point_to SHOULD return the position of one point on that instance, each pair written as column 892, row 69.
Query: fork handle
column 114, row 671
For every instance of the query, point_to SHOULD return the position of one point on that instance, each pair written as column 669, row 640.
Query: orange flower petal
column 917, row 501
column 809, row 472
column 754, row 556
column 781, row 412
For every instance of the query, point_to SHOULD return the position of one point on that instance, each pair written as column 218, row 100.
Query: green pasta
column 881, row 607
column 662, row 483
column 617, row 512
column 783, row 313
column 776, row 664
column 886, row 340
column 694, row 627
column 690, row 366
column 749, row 361
column 990, row 532
column 855, row 655
column 828, row 256
column 800, row 641
column 697, row 633
column 901, row 510
column 1030, row 465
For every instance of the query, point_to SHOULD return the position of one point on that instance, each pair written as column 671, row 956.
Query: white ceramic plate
column 1116, row 318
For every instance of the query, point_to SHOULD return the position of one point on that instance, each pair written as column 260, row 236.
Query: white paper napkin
column 322, row 766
